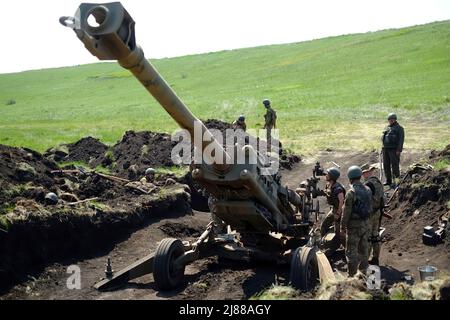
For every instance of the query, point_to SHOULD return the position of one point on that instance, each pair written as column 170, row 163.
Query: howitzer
column 253, row 204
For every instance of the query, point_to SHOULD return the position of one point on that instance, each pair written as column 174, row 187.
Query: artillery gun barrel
column 107, row 31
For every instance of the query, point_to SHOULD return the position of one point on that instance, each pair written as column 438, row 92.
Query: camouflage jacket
column 239, row 125
column 393, row 137
column 349, row 218
column 377, row 189
column 270, row 118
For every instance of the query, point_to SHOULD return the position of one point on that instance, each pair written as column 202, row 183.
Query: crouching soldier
column 335, row 192
column 376, row 186
column 149, row 176
column 355, row 222
column 239, row 123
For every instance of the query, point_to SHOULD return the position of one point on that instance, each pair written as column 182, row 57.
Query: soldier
column 51, row 198
column 149, row 176
column 393, row 138
column 376, row 187
column 270, row 121
column 355, row 222
column 219, row 226
column 335, row 192
column 240, row 124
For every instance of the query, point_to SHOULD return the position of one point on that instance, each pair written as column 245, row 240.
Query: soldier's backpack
column 274, row 118
column 362, row 207
column 376, row 187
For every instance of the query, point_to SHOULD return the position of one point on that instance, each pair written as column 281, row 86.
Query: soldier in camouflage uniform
column 270, row 121
column 335, row 192
column 393, row 138
column 149, row 176
column 355, row 222
column 375, row 185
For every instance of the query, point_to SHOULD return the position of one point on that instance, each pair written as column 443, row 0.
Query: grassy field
column 328, row 93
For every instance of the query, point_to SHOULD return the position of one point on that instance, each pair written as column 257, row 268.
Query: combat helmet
column 354, row 172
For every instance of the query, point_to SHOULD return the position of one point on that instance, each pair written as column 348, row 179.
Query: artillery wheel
column 165, row 274
column 304, row 268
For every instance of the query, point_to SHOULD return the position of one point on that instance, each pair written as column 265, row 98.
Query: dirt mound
column 129, row 157
column 84, row 150
column 136, row 151
column 217, row 124
column 140, row 150
column 421, row 201
column 19, row 166
column 287, row 157
column 442, row 154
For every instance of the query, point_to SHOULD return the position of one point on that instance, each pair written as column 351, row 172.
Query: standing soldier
column 240, row 123
column 355, row 222
column 270, row 119
column 335, row 192
column 393, row 138
column 376, row 187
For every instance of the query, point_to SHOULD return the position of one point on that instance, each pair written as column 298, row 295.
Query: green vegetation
column 179, row 172
column 333, row 92
column 109, row 156
column 99, row 206
column 102, row 169
column 277, row 292
column 85, row 166
column 14, row 191
column 77, row 164
column 4, row 223
column 442, row 164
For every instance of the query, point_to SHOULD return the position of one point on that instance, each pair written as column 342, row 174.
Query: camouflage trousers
column 357, row 249
column 332, row 219
column 374, row 239
column 269, row 138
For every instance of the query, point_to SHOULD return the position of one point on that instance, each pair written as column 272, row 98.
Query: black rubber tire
column 166, row 278
column 304, row 269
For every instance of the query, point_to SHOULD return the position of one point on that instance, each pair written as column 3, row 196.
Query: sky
column 32, row 37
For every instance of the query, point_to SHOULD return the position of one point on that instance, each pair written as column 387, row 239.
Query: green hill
column 328, row 93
